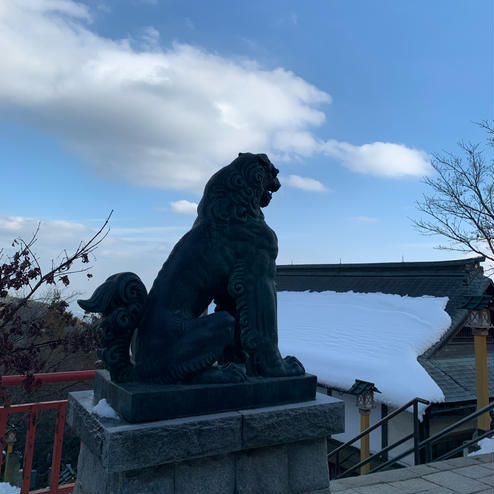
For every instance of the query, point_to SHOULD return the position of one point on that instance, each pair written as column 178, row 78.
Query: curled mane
column 233, row 193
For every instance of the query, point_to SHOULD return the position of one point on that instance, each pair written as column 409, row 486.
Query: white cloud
column 305, row 183
column 184, row 207
column 162, row 118
column 159, row 118
column 51, row 231
column 379, row 158
column 11, row 223
column 150, row 38
column 141, row 250
column 299, row 142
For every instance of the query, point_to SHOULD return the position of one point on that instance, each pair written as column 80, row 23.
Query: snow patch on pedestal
column 103, row 409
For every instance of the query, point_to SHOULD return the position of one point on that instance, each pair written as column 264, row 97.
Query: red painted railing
column 33, row 409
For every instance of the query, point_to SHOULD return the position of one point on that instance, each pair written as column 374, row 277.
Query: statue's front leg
column 257, row 312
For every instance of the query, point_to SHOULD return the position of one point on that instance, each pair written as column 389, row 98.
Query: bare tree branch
column 460, row 205
column 81, row 252
column 27, row 336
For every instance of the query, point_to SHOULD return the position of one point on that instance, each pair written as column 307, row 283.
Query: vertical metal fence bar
column 3, row 429
column 29, row 450
column 384, row 431
column 428, row 452
column 416, row 433
column 57, row 448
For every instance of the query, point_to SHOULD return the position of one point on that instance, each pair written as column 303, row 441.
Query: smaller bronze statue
column 228, row 256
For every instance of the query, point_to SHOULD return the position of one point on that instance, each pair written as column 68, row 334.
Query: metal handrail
column 378, row 424
column 462, row 421
column 437, row 436
column 379, row 453
column 445, row 456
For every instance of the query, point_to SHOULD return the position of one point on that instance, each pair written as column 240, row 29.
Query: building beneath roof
column 448, row 360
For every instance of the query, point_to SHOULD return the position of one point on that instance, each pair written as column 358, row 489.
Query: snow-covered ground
column 6, row 488
column 374, row 337
column 486, row 446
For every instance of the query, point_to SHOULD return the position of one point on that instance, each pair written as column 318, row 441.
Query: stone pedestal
column 139, row 402
column 271, row 450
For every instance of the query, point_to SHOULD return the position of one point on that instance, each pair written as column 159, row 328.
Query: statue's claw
column 293, row 366
column 275, row 366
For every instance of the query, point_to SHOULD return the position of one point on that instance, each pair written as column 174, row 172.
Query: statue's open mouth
column 266, row 198
column 267, row 194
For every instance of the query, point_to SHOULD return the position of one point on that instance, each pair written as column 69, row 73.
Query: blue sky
column 130, row 105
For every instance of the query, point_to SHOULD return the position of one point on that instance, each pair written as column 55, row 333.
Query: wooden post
column 9, row 452
column 12, row 469
column 480, row 343
column 365, row 441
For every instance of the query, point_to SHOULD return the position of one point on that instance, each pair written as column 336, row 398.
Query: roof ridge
column 392, row 265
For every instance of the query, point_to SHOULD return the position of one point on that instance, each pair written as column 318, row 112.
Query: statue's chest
column 258, row 237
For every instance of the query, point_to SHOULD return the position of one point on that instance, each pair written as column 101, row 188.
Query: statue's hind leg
column 189, row 348
column 219, row 328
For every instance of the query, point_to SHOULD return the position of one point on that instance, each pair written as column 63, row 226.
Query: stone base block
column 272, row 470
column 141, row 402
column 273, row 450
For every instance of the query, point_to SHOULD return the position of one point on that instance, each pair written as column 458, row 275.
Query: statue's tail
column 120, row 300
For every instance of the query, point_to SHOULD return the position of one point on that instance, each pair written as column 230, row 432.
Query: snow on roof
column 373, row 337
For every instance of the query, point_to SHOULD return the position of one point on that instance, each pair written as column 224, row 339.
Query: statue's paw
column 218, row 374
column 293, row 366
column 235, row 373
column 275, row 366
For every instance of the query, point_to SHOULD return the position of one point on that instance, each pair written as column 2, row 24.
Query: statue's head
column 238, row 191
column 268, row 177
